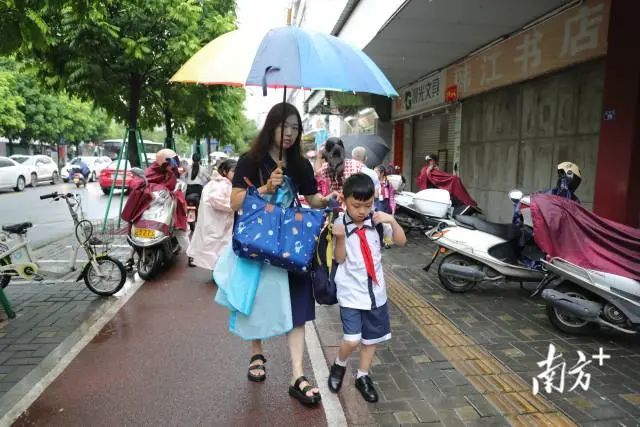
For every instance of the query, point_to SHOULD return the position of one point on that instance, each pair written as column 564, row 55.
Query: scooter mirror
column 515, row 195
column 137, row 172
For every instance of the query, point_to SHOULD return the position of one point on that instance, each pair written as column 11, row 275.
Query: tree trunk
column 135, row 89
column 10, row 146
column 168, row 124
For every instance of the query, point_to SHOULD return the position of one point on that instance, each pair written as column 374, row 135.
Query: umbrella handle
column 264, row 77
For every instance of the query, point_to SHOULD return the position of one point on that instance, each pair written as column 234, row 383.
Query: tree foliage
column 35, row 113
column 121, row 54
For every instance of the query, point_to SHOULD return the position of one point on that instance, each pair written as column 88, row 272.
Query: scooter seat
column 507, row 232
column 19, row 228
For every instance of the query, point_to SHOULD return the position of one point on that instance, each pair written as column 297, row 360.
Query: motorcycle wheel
column 114, row 276
column 566, row 322
column 149, row 262
column 455, row 284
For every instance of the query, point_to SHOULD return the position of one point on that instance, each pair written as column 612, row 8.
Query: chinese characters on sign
column 420, row 95
column 573, row 36
column 570, row 37
column 553, row 376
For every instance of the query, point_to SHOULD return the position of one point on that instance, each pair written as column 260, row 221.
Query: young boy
column 360, row 281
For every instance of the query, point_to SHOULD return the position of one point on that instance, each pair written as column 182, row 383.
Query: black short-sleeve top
column 303, row 177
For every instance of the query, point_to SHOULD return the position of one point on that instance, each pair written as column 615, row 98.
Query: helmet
column 570, row 174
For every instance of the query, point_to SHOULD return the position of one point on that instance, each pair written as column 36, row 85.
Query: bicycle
column 102, row 274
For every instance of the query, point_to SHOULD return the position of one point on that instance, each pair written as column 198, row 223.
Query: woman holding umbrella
column 260, row 166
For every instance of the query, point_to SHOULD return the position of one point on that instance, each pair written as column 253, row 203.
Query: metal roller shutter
column 453, row 138
column 426, row 139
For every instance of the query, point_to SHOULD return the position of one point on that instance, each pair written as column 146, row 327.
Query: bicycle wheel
column 110, row 281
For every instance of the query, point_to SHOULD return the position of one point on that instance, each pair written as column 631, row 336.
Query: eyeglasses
column 293, row 127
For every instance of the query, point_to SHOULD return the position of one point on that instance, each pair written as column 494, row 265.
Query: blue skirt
column 303, row 306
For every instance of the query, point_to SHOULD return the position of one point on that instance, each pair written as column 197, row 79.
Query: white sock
column 361, row 374
column 339, row 362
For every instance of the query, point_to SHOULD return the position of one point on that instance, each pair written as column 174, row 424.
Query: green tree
column 21, row 25
column 33, row 112
column 12, row 120
column 121, row 53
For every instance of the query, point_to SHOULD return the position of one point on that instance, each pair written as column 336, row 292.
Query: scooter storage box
column 433, row 202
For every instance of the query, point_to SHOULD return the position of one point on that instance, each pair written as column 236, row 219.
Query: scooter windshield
column 161, row 207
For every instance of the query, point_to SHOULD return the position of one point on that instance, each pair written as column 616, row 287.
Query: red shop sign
column 451, row 94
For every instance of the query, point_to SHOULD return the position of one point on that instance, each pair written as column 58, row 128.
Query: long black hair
column 195, row 169
column 266, row 138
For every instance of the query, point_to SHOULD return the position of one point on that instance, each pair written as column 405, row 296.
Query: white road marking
column 330, row 401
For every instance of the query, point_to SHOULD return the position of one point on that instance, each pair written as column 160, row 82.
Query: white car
column 95, row 164
column 43, row 168
column 13, row 174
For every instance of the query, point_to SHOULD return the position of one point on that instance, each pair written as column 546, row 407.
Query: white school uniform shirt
column 354, row 289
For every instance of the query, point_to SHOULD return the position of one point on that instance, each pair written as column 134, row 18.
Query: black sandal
column 301, row 394
column 257, row 367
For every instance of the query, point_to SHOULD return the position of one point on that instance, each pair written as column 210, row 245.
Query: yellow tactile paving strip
column 498, row 384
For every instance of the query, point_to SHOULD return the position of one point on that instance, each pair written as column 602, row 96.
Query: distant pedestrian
column 431, row 162
column 386, row 200
column 338, row 168
column 215, row 219
column 361, row 291
column 360, row 154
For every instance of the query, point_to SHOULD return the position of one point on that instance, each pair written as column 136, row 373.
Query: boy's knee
column 351, row 341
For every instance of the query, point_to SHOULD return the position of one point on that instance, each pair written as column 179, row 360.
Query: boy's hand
column 383, row 218
column 338, row 230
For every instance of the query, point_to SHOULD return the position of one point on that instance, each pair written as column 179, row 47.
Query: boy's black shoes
column 366, row 388
column 335, row 377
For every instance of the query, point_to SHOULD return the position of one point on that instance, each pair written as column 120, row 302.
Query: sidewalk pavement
column 167, row 358
column 46, row 315
column 494, row 336
column 454, row 360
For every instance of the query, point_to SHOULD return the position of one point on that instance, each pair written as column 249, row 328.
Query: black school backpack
column 323, row 266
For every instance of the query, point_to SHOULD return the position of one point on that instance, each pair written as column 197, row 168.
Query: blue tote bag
column 281, row 236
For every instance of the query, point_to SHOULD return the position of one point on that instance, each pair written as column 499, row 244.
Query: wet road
column 167, row 358
column 51, row 219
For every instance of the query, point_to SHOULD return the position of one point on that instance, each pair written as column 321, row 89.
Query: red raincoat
column 140, row 196
column 445, row 181
column 562, row 228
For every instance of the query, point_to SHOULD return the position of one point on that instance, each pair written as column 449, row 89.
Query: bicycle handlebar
column 49, row 196
column 54, row 195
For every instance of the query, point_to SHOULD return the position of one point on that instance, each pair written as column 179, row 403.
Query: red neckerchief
column 366, row 254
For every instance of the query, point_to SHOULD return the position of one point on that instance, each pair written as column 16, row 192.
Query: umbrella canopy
column 219, row 155
column 375, row 145
column 285, row 57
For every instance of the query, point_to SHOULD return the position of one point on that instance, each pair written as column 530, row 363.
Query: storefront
column 504, row 116
column 425, row 124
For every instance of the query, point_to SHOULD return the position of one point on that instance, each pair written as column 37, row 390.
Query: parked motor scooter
column 153, row 236
column 427, row 209
column 583, row 299
column 478, row 251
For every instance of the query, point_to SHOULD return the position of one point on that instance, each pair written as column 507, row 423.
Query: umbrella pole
column 284, row 119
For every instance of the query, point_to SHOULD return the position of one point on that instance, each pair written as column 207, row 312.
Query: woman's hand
column 336, row 195
column 276, row 178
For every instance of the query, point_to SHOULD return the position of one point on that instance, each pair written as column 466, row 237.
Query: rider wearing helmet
column 569, row 179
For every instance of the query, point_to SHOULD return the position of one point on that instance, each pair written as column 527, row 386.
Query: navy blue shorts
column 368, row 326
